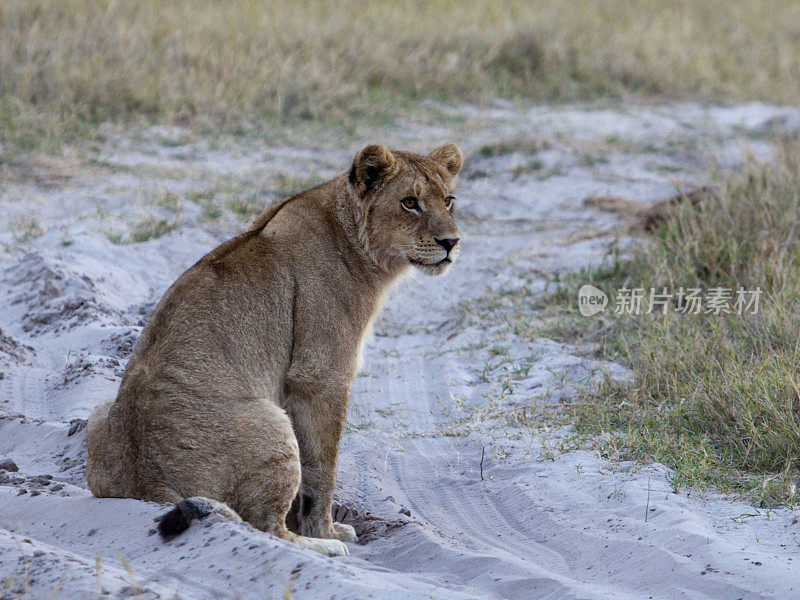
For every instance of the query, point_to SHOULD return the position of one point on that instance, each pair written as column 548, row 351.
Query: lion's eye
column 409, row 202
column 448, row 202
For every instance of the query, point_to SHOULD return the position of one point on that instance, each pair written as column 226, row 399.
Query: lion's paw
column 344, row 532
column 328, row 547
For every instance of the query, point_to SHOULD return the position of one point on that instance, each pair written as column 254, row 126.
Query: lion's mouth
column 419, row 263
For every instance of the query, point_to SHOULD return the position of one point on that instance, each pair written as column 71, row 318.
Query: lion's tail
column 184, row 512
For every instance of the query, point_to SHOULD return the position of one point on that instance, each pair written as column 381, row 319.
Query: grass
column 147, row 229
column 715, row 397
column 212, row 210
column 531, row 166
column 245, row 208
column 289, row 185
column 241, row 198
column 168, row 200
column 26, row 229
column 151, row 228
column 522, row 145
column 247, row 198
column 70, row 64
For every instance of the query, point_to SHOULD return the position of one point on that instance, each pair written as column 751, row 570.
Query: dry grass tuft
column 647, row 217
column 69, row 64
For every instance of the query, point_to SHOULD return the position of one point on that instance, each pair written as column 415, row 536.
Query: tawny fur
column 238, row 388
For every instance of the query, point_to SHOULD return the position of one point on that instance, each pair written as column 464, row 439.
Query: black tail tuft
column 180, row 517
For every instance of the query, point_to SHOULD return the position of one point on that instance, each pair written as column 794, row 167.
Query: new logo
column 591, row 300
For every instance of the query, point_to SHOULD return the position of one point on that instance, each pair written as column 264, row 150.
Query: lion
column 236, row 394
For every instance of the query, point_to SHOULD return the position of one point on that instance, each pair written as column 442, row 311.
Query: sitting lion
column 236, row 394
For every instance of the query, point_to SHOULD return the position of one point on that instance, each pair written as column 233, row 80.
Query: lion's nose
column 447, row 243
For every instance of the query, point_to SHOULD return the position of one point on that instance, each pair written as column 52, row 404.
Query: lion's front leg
column 318, row 423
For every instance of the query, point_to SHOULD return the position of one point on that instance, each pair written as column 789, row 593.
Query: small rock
column 41, row 480
column 5, row 478
column 404, row 511
column 57, row 488
column 9, row 465
column 35, row 493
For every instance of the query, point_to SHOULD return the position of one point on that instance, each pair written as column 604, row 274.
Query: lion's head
column 407, row 206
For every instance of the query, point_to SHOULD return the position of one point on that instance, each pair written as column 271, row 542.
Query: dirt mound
column 120, row 345
column 86, row 366
column 55, row 298
column 13, row 352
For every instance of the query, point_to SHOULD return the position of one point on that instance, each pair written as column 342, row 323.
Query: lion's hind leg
column 108, row 469
column 268, row 461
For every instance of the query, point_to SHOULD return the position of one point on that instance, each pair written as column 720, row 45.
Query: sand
column 450, row 499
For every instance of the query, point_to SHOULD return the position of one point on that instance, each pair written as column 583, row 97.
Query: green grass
column 150, row 229
column 289, row 185
column 715, row 397
column 69, row 65
column 244, row 207
column 510, row 146
column 26, row 229
column 531, row 166
column 147, row 229
column 168, row 200
column 211, row 210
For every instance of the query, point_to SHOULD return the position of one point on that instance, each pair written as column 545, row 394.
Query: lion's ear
column 372, row 163
column 449, row 156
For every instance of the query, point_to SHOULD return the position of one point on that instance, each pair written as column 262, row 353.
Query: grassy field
column 69, row 64
column 716, row 397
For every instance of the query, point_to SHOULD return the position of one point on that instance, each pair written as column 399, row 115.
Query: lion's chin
column 433, row 269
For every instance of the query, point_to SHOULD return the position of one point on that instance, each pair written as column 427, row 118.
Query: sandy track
column 538, row 525
column 523, row 531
